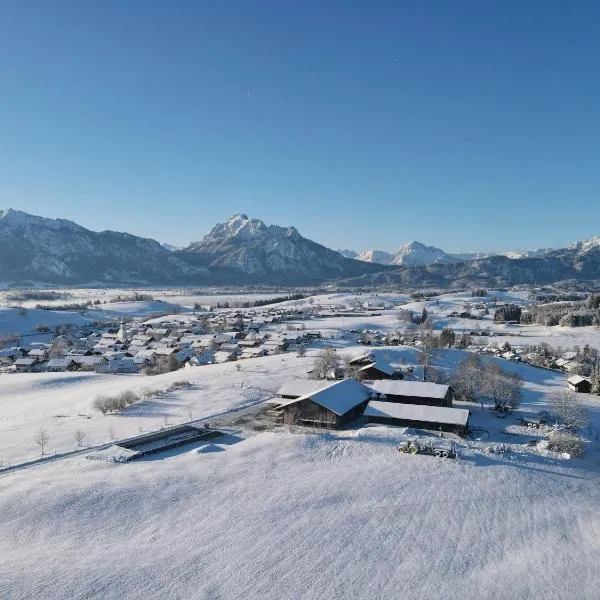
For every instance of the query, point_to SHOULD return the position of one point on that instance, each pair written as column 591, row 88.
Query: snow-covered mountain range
column 59, row 251
column 246, row 250
column 243, row 250
column 412, row 254
column 416, row 254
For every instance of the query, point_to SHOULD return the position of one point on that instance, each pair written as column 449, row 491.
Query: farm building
column 413, row 392
column 298, row 387
column 412, row 415
column 361, row 360
column 379, row 370
column 330, row 406
column 580, row 384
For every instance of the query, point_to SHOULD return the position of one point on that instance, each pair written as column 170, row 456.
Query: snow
column 417, row 412
column 24, row 322
column 276, row 513
column 301, row 516
column 62, row 402
column 423, row 389
column 299, row 387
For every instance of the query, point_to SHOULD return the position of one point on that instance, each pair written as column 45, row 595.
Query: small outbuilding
column 413, row 415
column 580, row 384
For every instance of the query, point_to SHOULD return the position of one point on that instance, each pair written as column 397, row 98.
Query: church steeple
column 122, row 334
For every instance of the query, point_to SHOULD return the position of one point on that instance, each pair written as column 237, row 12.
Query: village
column 338, row 388
column 176, row 341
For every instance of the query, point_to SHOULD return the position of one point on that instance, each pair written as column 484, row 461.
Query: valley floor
column 284, row 515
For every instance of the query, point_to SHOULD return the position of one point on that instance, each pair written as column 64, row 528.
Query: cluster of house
column 567, row 362
column 383, row 397
column 125, row 350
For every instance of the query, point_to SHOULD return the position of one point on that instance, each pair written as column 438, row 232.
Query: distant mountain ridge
column 35, row 248
column 243, row 250
column 580, row 262
column 412, row 254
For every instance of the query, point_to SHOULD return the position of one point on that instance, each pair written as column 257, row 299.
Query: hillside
column 60, row 251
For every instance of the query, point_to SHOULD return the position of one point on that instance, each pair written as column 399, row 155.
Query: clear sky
column 469, row 125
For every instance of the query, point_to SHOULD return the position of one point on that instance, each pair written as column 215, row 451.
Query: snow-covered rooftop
column 338, row 397
column 419, row 389
column 380, row 366
column 299, row 387
column 417, row 412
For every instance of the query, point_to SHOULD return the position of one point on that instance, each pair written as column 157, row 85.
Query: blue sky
column 467, row 125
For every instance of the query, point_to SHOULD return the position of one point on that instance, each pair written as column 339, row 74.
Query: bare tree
column 301, row 350
column 189, row 412
column 41, row 439
column 353, row 371
column 466, row 381
column 567, row 409
column 325, row 362
column 101, row 404
column 79, row 437
column 503, row 388
column 58, row 347
column 404, row 316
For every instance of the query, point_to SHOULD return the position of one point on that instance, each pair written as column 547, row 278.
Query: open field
column 270, row 511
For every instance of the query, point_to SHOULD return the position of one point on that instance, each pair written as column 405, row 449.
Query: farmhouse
column 61, row 364
column 25, row 365
column 413, row 392
column 412, row 415
column 330, row 406
column 580, row 384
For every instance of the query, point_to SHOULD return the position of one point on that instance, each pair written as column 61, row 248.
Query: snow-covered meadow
column 295, row 513
column 283, row 515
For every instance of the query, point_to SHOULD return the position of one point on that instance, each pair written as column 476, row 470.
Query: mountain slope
column 246, row 250
column 376, row 256
column 415, row 254
column 60, row 251
column 348, row 253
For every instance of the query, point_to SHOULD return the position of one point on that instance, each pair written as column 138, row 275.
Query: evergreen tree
column 447, row 337
column 595, row 378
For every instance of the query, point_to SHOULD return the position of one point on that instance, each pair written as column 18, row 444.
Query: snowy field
column 294, row 514
column 16, row 321
column 181, row 296
column 283, row 515
column 62, row 402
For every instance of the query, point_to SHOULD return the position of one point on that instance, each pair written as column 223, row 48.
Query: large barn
column 422, row 416
column 413, row 392
column 330, row 406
